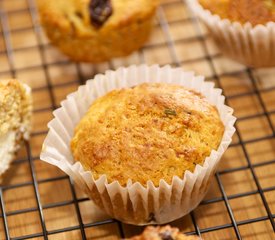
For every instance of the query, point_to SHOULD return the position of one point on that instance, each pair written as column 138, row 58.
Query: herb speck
column 170, row 112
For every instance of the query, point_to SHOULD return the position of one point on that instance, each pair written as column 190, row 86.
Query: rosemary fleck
column 170, row 112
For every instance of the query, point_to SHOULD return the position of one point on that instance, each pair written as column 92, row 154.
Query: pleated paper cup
column 251, row 45
column 135, row 203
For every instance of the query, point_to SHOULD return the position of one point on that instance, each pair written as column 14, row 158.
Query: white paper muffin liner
column 135, row 204
column 251, row 45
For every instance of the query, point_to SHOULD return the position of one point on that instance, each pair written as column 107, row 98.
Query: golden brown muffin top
column 73, row 16
column 253, row 11
column 148, row 132
column 15, row 106
column 162, row 233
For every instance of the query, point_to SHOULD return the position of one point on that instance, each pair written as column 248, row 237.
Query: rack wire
column 246, row 175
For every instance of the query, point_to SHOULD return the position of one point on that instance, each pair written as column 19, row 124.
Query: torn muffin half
column 15, row 119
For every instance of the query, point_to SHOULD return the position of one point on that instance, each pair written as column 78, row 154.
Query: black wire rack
column 251, row 84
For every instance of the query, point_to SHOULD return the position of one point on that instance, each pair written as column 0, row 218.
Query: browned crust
column 253, row 11
column 129, row 129
column 62, row 21
column 102, row 47
column 124, row 32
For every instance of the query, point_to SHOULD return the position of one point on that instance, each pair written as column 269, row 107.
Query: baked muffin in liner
column 135, row 204
column 251, row 45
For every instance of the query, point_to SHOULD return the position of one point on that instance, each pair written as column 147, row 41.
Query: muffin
column 160, row 130
column 242, row 11
column 162, row 233
column 15, row 117
column 242, row 29
column 142, row 142
column 97, row 30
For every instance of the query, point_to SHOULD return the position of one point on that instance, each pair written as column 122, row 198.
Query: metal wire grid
column 164, row 24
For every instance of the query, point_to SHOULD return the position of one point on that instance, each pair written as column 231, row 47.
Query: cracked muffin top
column 253, row 11
column 152, row 131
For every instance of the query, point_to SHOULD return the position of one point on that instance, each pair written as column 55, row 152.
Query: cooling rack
column 39, row 202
